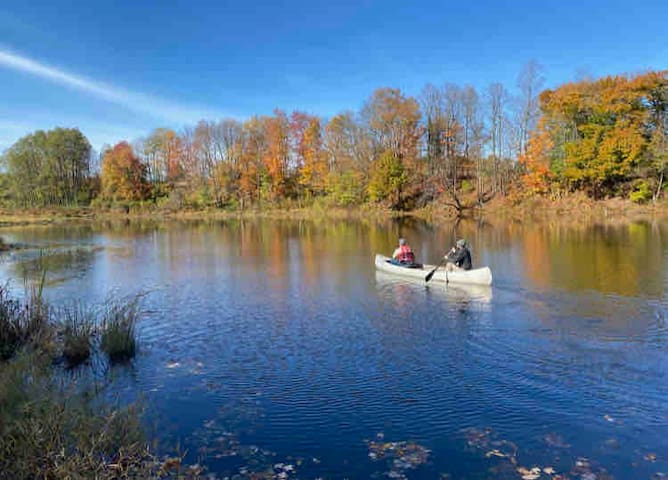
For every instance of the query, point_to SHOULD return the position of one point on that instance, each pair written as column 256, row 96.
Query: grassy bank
column 575, row 207
column 568, row 207
column 17, row 217
column 50, row 425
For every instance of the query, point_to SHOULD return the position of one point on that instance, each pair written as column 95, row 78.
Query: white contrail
column 134, row 101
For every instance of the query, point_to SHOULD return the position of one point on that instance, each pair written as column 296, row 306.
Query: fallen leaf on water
column 495, row 453
column 533, row 474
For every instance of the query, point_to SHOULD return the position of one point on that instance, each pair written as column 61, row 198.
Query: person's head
column 461, row 243
column 402, row 241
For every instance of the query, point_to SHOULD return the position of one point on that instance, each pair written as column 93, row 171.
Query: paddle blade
column 430, row 274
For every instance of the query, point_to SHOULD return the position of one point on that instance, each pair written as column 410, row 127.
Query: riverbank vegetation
column 52, row 428
column 452, row 146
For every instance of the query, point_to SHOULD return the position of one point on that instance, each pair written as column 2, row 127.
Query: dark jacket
column 461, row 257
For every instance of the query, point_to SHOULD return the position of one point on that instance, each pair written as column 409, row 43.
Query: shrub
column 641, row 192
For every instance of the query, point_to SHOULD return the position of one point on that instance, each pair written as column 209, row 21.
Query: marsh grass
column 57, row 426
column 50, row 432
column 119, row 337
column 24, row 324
column 78, row 325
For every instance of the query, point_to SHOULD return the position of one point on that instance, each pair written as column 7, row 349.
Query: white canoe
column 452, row 292
column 477, row 276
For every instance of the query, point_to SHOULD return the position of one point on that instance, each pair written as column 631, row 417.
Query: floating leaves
column 506, row 454
column 585, row 469
column 529, row 474
column 477, row 438
column 401, row 456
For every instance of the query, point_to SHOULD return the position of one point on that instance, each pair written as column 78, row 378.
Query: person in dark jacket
column 459, row 257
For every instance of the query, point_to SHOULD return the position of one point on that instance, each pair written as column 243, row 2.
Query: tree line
column 451, row 144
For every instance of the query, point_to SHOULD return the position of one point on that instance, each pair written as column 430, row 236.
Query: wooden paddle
column 431, row 274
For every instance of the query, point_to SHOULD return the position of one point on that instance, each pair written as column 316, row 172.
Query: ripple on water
column 292, row 353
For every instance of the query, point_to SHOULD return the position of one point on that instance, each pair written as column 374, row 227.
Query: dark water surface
column 268, row 343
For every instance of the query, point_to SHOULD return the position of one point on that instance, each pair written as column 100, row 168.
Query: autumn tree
column 474, row 137
column 655, row 86
column 307, row 148
column 393, row 121
column 349, row 154
column 431, row 100
column 277, row 154
column 123, row 175
column 163, row 152
column 252, row 148
column 388, row 180
column 602, row 132
column 443, row 130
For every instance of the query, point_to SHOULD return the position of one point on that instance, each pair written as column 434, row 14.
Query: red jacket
column 405, row 254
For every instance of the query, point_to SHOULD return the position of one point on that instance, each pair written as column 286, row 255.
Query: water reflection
column 403, row 291
column 278, row 340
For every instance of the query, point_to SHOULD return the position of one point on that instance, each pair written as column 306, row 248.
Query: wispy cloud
column 135, row 101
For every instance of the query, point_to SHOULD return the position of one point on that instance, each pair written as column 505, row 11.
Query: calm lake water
column 276, row 342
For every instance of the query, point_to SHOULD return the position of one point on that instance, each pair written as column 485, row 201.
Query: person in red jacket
column 403, row 254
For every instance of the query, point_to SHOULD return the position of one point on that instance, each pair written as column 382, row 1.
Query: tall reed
column 78, row 323
column 119, row 323
column 23, row 324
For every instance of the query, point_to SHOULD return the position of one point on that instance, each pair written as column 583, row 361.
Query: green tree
column 388, row 179
column 48, row 168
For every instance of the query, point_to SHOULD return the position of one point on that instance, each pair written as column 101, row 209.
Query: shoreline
column 572, row 208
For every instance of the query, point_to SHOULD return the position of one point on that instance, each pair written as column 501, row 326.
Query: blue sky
column 118, row 69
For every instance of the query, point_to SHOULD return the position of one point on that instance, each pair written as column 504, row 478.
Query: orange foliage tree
column 535, row 161
column 276, row 155
column 123, row 175
column 307, row 146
